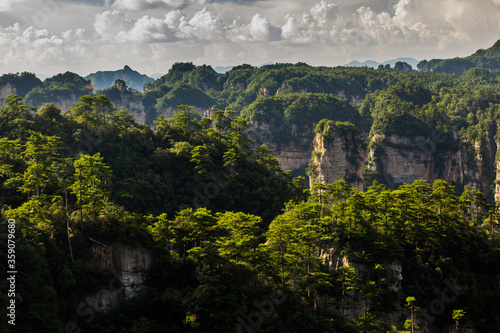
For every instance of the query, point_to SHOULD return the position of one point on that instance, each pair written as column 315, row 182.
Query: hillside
column 488, row 59
column 188, row 227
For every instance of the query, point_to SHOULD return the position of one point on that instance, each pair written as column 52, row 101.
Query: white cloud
column 112, row 22
column 6, row 5
column 258, row 30
column 203, row 26
column 115, row 25
column 317, row 25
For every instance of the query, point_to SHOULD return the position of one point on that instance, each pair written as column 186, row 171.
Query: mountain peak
column 126, row 68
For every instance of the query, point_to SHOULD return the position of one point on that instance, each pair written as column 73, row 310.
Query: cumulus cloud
column 316, row 25
column 112, row 22
column 203, row 25
column 114, row 25
column 258, row 30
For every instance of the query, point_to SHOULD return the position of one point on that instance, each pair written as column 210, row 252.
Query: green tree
column 163, row 230
column 185, row 118
column 200, row 156
column 241, row 237
column 41, row 153
column 348, row 280
column 92, row 182
column 410, row 305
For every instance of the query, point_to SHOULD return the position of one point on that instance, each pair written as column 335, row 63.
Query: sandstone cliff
column 394, row 159
column 338, row 154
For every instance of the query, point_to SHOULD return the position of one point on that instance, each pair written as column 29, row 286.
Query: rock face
column 394, row 159
column 7, row 89
column 130, row 268
column 64, row 104
column 131, row 103
column 338, row 154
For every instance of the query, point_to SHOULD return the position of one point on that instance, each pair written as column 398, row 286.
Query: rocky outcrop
column 402, row 67
column 132, row 103
column 129, row 266
column 294, row 153
column 395, row 159
column 7, row 89
column 338, row 154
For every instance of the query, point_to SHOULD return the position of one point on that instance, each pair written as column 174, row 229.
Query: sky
column 47, row 37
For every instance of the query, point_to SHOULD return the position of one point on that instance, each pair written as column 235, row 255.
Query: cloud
column 114, row 25
column 6, row 5
column 258, row 30
column 111, row 23
column 103, row 33
column 317, row 25
column 202, row 26
column 150, row 4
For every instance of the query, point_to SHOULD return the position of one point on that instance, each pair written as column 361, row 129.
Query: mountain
column 488, row 59
column 133, row 79
column 368, row 63
column 374, row 64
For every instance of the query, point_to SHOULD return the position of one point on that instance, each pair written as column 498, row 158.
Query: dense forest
column 187, row 223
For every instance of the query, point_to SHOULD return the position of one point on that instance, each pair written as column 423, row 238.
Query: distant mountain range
column 374, row 64
column 105, row 79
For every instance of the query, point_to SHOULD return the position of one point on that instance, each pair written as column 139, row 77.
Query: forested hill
column 188, row 228
column 488, row 59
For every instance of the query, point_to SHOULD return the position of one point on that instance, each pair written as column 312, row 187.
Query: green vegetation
column 238, row 245
column 211, row 210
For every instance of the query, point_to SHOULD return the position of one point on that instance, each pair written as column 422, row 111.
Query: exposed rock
column 402, row 67
column 293, row 158
column 7, row 89
column 266, row 92
column 130, row 267
column 397, row 159
column 338, row 155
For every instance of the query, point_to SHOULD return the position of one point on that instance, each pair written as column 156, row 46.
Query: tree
column 163, row 230
column 41, row 153
column 347, row 279
column 103, row 106
column 242, row 236
column 9, row 151
column 200, row 156
column 15, row 119
column 410, row 304
column 92, row 182
column 83, row 110
column 185, row 118
column 457, row 315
